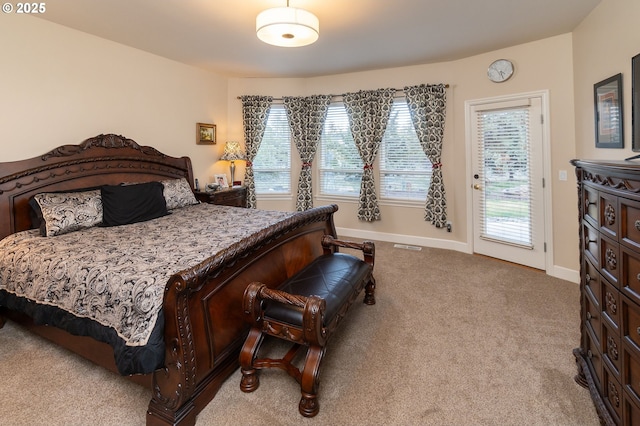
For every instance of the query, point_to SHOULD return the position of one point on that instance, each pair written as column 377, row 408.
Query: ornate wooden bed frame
column 204, row 326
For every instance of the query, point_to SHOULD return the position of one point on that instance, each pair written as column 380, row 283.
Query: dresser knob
column 589, row 316
column 637, row 224
column 638, row 277
column 610, row 214
column 638, row 330
column 588, row 277
column 611, row 258
column 589, row 354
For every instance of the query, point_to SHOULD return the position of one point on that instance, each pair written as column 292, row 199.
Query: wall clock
column 500, row 70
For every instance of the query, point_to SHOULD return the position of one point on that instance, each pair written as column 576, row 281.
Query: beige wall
column 61, row 86
column 542, row 65
column 604, row 44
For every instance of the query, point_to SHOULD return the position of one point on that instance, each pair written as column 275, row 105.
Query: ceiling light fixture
column 287, row 26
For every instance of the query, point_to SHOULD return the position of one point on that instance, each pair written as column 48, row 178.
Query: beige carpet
column 454, row 339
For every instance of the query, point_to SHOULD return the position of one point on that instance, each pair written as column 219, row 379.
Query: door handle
column 476, row 186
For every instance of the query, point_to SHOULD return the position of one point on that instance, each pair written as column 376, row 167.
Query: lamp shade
column 232, row 151
column 287, row 27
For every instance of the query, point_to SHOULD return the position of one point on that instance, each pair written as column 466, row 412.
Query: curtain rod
column 446, row 86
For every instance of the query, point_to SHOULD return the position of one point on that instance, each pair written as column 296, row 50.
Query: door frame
column 546, row 166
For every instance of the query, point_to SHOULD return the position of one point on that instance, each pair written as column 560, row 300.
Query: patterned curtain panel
column 427, row 104
column 255, row 112
column 306, row 118
column 368, row 113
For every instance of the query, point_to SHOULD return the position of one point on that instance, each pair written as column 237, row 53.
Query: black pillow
column 124, row 204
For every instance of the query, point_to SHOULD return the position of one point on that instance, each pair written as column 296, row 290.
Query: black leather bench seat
column 332, row 277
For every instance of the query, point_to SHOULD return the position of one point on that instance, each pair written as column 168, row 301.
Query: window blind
column 505, row 181
column 272, row 164
column 340, row 167
column 405, row 170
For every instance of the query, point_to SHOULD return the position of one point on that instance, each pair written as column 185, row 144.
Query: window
column 405, row 170
column 272, row 164
column 340, row 164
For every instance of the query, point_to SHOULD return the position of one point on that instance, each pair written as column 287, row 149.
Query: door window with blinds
column 506, row 202
column 272, row 164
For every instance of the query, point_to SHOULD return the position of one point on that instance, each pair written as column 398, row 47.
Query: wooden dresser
column 609, row 354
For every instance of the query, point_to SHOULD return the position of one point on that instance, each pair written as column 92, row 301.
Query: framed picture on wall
column 607, row 97
column 635, row 103
column 205, row 134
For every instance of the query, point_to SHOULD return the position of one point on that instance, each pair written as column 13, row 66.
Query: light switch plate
column 562, row 175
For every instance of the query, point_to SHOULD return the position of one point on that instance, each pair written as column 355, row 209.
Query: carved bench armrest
column 312, row 315
column 283, row 297
column 332, row 245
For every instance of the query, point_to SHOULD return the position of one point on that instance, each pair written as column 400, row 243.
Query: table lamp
column 232, row 152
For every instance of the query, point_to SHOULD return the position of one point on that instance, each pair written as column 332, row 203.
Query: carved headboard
column 104, row 159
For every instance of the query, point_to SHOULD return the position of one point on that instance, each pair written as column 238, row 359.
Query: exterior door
column 508, row 181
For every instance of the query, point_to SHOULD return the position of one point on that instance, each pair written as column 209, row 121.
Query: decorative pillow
column 35, row 214
column 124, row 204
column 178, row 193
column 68, row 211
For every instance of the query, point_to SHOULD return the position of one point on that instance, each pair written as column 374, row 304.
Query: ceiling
column 355, row 35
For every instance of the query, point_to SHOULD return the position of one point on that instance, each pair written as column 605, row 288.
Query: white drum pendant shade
column 287, row 27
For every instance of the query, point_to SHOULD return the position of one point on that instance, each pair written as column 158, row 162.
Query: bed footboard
column 204, row 327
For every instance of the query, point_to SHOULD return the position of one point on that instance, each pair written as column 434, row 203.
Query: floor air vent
column 407, row 247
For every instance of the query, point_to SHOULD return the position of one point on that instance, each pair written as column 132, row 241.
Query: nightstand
column 235, row 197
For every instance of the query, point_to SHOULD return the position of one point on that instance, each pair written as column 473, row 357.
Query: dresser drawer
column 609, row 218
column 630, row 411
column 630, row 276
column 630, row 223
column 590, row 205
column 591, row 281
column 234, row 197
column 611, row 350
column 631, row 373
column 612, row 393
column 590, row 244
column 610, row 260
column 593, row 358
column 631, row 324
column 592, row 319
column 610, row 302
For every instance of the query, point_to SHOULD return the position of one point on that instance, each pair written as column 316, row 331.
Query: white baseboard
column 554, row 271
column 405, row 239
column 564, row 274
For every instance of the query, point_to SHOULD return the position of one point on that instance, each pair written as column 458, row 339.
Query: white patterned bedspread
column 116, row 276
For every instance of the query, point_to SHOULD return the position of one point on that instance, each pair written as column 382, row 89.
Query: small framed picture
column 221, row 180
column 607, row 96
column 205, row 134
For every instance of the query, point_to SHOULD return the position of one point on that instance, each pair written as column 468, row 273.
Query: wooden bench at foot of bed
column 306, row 310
